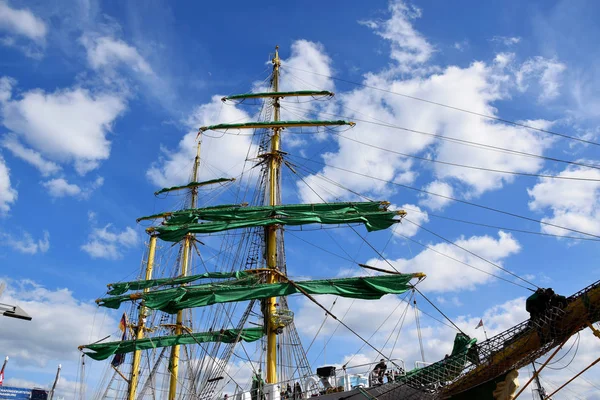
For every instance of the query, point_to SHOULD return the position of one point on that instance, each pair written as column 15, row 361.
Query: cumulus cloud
column 475, row 87
column 56, row 328
column 447, row 275
column 414, row 214
column 408, row 46
column 21, row 22
column 506, row 40
column 578, row 205
column 11, row 143
column 437, row 202
column 108, row 52
column 26, row 243
column 547, row 72
column 225, row 155
column 69, row 125
column 8, row 194
column 109, row 243
column 60, row 187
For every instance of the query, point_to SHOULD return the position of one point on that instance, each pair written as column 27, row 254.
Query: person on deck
column 382, row 368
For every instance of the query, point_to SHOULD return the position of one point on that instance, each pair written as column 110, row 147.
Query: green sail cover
column 266, row 124
column 194, row 184
column 122, row 287
column 278, row 94
column 449, row 368
column 173, row 300
column 180, row 223
column 102, row 351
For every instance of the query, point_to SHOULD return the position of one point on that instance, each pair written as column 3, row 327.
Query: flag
column 480, row 324
column 118, row 359
column 2, row 371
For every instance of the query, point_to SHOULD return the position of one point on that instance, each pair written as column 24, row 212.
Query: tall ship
column 194, row 317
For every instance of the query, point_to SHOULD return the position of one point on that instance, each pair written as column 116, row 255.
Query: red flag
column 480, row 324
column 123, row 323
column 2, row 374
column 118, row 359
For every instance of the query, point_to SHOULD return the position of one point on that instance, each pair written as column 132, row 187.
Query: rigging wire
column 418, row 324
column 491, row 117
column 499, row 227
column 471, row 253
column 488, row 208
column 463, row 263
column 438, row 310
column 465, row 142
column 572, row 178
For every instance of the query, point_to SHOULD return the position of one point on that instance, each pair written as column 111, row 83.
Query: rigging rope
column 418, row 324
column 473, row 254
column 488, row 208
column 522, row 125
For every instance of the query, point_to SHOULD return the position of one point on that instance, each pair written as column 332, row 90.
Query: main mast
column 274, row 167
column 185, row 257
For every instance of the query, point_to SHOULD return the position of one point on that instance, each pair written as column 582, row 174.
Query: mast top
column 276, row 60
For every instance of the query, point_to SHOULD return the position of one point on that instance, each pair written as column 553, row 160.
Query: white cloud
column 61, row 188
column 33, row 157
column 21, row 22
column 104, row 243
column 475, row 88
column 446, row 275
column 56, row 328
column 26, row 243
column 416, row 215
column 408, row 46
column 573, row 204
column 462, row 45
column 224, row 154
column 68, row 125
column 8, row 194
column 108, row 52
column 506, row 40
column 436, row 202
column 6, row 85
column 548, row 73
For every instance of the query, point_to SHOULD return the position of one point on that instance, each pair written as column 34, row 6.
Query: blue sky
column 100, row 102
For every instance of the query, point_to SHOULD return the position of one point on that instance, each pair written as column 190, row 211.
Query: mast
column 137, row 355
column 274, row 165
column 187, row 241
column 55, row 382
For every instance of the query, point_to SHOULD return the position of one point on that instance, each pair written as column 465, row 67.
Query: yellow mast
column 187, row 244
column 274, row 165
column 137, row 355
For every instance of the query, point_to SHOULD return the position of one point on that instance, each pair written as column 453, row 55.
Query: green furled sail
column 278, row 94
column 276, row 124
column 123, row 287
column 194, row 184
column 102, row 351
column 173, row 300
column 374, row 215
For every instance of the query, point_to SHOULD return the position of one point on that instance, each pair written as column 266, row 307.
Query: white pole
column 55, row 381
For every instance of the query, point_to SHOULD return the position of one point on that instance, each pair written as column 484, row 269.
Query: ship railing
column 345, row 379
column 422, row 364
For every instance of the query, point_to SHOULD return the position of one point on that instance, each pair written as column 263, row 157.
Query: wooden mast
column 274, row 167
column 137, row 355
column 185, row 257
